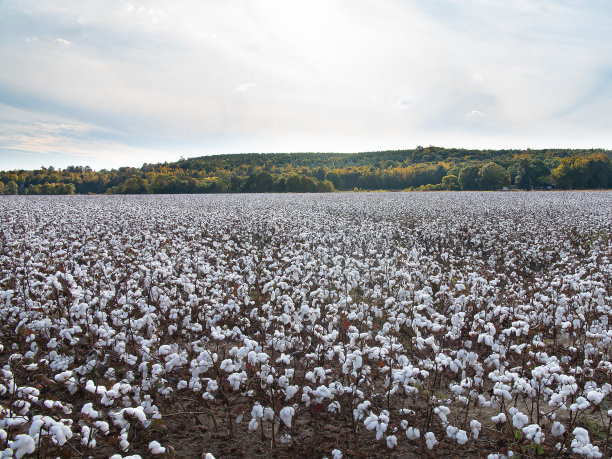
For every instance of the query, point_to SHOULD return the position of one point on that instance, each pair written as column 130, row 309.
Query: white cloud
column 475, row 114
column 330, row 74
column 63, row 42
column 244, row 87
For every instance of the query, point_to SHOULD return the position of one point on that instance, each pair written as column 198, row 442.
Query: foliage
column 421, row 168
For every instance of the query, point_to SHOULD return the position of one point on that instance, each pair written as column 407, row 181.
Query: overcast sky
column 114, row 83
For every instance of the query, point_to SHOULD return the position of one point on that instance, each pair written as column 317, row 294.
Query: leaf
column 346, row 324
column 381, row 364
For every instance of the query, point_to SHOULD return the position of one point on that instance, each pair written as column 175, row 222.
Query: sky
column 121, row 83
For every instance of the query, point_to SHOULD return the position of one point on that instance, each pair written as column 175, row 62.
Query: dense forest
column 424, row 169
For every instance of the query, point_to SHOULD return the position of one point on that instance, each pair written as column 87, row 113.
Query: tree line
column 430, row 168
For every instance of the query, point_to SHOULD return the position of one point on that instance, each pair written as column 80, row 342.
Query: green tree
column 492, row 176
column 11, row 188
column 468, row 178
column 136, row 185
column 451, row 182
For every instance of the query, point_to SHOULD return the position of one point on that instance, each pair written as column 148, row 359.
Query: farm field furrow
column 336, row 325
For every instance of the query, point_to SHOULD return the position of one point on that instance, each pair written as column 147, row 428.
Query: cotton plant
column 269, row 309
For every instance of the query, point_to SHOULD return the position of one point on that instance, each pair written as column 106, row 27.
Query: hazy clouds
column 121, row 83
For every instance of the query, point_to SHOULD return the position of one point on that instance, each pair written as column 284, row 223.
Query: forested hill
column 430, row 168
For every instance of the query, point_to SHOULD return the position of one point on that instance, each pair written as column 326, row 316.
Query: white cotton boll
column 34, row 428
column 413, row 433
column 85, row 437
column 253, row 424
column 595, row 397
column 257, row 411
column 286, row 414
column 102, row 426
column 534, row 432
column 557, row 429
column 499, row 419
column 209, row 456
column 88, row 410
column 212, row 385
column 61, row 433
column 451, row 431
column 582, row 435
column 475, row 426
column 63, row 377
column 227, row 365
column 290, row 392
column 268, row 414
column 391, row 441
column 461, row 437
column 285, row 438
column 581, row 444
column 371, row 421
column 430, row 439
column 519, row 420
column 337, row 454
column 156, row 448
column 442, row 412
column 580, row 405
column 22, row 445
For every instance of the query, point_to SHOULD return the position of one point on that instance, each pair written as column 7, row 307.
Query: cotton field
column 338, row 325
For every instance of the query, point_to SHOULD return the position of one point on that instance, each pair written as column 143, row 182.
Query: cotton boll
column 156, row 448
column 285, row 438
column 22, row 445
column 413, row 433
column 430, row 439
column 461, row 437
column 534, row 432
column 557, row 429
column 519, row 420
column 475, row 426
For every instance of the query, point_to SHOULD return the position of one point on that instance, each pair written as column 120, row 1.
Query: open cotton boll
column 581, row 444
column 413, row 433
column 475, row 426
column 461, row 437
column 534, row 432
column 378, row 423
column 430, row 439
column 286, row 414
column 22, row 445
column 519, row 420
column 285, row 438
column 156, row 448
column 595, row 397
column 557, row 429
column 391, row 441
